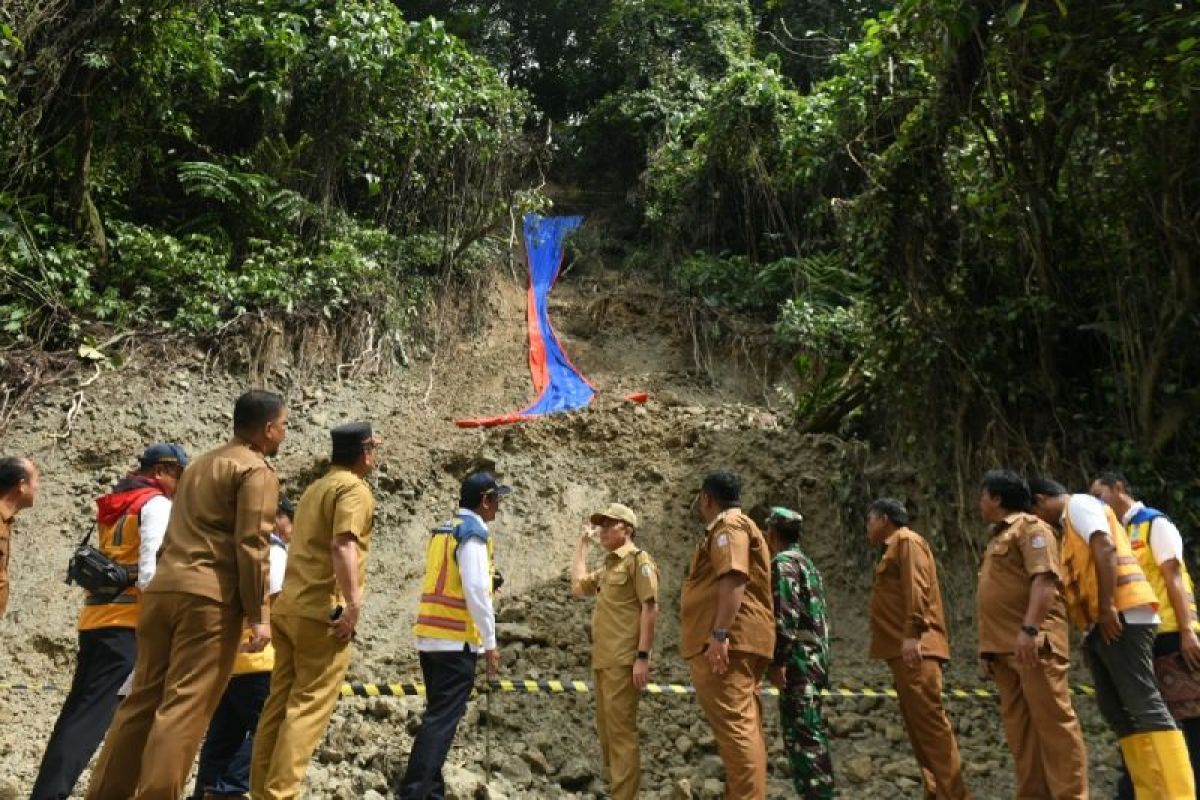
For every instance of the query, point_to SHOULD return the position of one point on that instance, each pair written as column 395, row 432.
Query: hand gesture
column 492, row 662
column 343, row 627
column 1109, row 624
column 1189, row 648
column 260, row 637
column 641, row 673
column 1026, row 651
column 911, row 652
column 718, row 656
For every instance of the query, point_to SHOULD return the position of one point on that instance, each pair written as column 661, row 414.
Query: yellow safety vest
column 442, row 612
column 120, row 540
column 1080, row 587
column 1139, row 541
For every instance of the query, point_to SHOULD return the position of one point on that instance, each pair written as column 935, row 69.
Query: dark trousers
column 449, row 678
column 106, row 657
column 1123, row 672
column 225, row 758
column 1167, row 644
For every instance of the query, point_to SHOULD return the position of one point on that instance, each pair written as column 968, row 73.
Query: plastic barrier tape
column 583, row 687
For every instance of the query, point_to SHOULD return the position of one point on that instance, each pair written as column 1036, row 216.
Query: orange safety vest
column 1081, row 589
column 118, row 528
column 442, row 612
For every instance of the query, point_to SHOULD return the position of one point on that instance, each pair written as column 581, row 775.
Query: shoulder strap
column 87, row 535
column 1145, row 514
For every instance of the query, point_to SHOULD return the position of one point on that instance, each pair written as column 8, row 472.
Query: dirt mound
column 650, row 457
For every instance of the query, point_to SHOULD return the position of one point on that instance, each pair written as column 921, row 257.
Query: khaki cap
column 618, row 512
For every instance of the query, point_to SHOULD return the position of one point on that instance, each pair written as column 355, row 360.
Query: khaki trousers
column 305, row 685
column 616, row 722
column 186, row 645
column 919, row 690
column 734, row 711
column 1042, row 730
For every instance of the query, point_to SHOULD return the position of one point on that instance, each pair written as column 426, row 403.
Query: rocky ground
column 650, row 457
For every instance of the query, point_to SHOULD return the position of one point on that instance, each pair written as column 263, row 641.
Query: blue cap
column 477, row 486
column 162, row 453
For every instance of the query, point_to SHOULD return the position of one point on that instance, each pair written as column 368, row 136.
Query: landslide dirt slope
column 650, row 457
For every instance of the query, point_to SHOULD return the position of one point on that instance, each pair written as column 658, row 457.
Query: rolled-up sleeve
column 257, row 500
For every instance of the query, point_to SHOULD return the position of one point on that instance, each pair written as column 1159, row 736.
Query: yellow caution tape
column 582, row 687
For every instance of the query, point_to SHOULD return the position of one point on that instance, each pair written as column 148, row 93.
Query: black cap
column 285, row 508
column 349, row 439
column 162, row 453
column 478, row 485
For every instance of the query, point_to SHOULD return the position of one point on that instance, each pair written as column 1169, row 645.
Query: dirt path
column 649, row 457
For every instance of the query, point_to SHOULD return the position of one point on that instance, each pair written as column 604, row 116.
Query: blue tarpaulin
column 560, row 386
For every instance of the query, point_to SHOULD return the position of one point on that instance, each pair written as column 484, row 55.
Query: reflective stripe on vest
column 442, row 612
column 1081, row 589
column 120, row 541
column 1139, row 541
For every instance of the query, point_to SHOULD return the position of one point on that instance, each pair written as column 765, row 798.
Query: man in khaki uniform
column 316, row 615
column 211, row 575
column 728, row 632
column 18, row 491
column 908, row 631
column 626, row 590
column 1023, row 643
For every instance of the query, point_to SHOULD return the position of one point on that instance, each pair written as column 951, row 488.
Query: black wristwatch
column 720, row 634
column 1031, row 630
column 643, row 655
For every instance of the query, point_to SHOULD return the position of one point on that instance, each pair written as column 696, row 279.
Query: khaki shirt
column 906, row 601
column 338, row 502
column 732, row 544
column 6, row 526
column 216, row 543
column 1021, row 547
column 628, row 579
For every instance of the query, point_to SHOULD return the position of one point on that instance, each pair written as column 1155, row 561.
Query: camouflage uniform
column 802, row 647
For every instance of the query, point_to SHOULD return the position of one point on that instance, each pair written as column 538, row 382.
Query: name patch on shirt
column 723, row 540
column 646, row 570
column 1038, row 542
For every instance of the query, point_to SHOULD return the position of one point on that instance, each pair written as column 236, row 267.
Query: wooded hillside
column 972, row 223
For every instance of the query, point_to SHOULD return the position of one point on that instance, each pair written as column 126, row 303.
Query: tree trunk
column 88, row 224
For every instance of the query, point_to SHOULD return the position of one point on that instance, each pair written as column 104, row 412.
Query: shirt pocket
column 617, row 580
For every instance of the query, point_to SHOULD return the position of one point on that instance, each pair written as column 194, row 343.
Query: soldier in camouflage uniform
column 801, row 665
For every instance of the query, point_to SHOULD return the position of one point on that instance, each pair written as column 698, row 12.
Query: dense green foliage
column 181, row 164
column 976, row 223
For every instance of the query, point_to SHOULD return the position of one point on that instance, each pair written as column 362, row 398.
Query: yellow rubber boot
column 1172, row 768
column 1135, row 749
